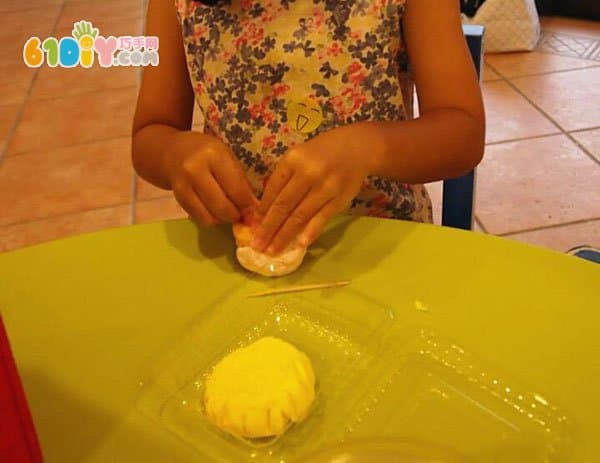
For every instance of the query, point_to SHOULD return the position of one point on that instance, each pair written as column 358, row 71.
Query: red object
column 18, row 440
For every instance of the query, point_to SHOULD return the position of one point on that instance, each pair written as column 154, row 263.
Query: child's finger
column 277, row 181
column 316, row 225
column 299, row 219
column 282, row 207
column 214, row 198
column 188, row 200
column 235, row 184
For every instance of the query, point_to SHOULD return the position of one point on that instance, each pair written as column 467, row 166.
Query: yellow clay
column 259, row 390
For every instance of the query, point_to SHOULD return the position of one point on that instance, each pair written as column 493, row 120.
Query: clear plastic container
column 375, row 378
column 431, row 390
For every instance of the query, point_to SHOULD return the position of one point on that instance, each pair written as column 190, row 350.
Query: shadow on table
column 73, row 430
column 326, row 244
column 369, row 244
column 349, row 247
column 197, row 242
column 217, row 244
column 68, row 428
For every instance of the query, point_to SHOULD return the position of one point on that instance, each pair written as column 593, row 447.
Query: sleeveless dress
column 268, row 75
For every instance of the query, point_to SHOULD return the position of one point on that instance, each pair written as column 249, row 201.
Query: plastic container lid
column 377, row 377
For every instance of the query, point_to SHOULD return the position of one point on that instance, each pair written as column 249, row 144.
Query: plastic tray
column 432, row 390
column 340, row 344
column 375, row 378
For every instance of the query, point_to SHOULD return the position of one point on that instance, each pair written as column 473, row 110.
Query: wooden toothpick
column 296, row 289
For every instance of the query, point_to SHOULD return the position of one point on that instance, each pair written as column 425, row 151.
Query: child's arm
column 448, row 138
column 319, row 178
column 208, row 182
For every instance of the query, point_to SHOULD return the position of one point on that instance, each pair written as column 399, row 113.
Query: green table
column 87, row 316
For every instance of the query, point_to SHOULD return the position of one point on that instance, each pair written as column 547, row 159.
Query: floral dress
column 268, row 75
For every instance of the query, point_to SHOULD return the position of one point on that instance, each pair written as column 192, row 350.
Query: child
column 308, row 110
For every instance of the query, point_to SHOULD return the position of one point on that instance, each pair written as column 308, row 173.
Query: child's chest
column 319, row 46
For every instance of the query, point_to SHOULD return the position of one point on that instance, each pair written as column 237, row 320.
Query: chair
column 459, row 193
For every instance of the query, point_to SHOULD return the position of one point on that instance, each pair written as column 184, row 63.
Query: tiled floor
column 64, row 135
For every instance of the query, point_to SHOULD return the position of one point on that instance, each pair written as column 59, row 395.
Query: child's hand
column 312, row 182
column 207, row 180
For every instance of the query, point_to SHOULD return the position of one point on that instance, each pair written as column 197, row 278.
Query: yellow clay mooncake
column 259, row 390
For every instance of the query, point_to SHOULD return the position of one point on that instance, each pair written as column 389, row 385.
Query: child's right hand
column 207, row 180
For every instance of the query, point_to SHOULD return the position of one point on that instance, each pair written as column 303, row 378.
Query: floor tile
column 15, row 76
column 570, row 98
column 569, row 45
column 571, row 26
column 510, row 116
column 99, row 12
column 118, row 4
column 15, row 81
column 20, row 5
column 563, row 238
column 158, row 209
column 107, row 27
column 590, row 139
column 489, row 74
column 146, row 190
column 534, row 183
column 128, row 3
column 39, row 231
column 64, row 82
column 529, row 63
column 38, row 22
column 8, row 114
column 82, row 118
column 65, row 181
column 59, row 82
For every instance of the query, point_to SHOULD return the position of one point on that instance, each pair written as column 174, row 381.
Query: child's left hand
column 312, row 182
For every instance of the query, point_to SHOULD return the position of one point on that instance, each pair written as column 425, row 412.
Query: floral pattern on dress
column 248, row 59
